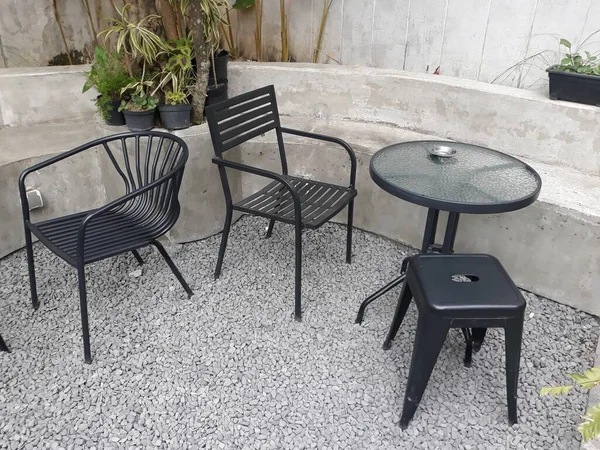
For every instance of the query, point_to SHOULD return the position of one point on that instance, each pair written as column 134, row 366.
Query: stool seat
column 458, row 291
column 465, row 286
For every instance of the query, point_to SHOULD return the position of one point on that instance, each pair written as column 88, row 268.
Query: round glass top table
column 464, row 178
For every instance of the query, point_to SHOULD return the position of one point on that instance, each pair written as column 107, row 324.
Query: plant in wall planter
column 176, row 80
column 108, row 76
column 576, row 78
column 139, row 111
column 176, row 113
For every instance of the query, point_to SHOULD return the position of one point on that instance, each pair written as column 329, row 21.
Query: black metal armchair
column 302, row 202
column 151, row 166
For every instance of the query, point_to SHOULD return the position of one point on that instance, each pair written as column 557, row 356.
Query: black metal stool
column 3, row 346
column 458, row 291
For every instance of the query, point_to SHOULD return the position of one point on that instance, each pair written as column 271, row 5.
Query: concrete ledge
column 44, row 95
column 515, row 121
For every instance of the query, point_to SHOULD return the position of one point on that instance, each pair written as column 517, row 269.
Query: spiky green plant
column 135, row 38
column 590, row 427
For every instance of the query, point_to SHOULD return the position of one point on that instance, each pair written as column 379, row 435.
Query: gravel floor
column 230, row 368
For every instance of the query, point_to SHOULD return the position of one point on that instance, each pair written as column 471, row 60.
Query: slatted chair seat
column 302, row 202
column 319, row 201
column 104, row 238
column 150, row 165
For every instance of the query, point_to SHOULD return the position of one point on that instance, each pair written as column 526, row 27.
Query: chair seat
column 464, row 286
column 108, row 235
column 319, row 201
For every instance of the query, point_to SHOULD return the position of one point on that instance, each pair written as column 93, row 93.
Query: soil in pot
column 175, row 117
column 139, row 120
column 218, row 93
column 221, row 60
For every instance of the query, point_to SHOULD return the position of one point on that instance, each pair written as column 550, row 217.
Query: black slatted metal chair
column 289, row 199
column 151, row 165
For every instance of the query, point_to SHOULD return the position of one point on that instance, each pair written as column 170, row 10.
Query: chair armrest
column 116, row 204
column 334, row 140
column 267, row 174
column 46, row 163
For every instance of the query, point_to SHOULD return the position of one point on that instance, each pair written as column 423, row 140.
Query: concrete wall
column 44, row 94
column 525, row 124
column 474, row 39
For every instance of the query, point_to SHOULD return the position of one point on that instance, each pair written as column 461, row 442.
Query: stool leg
column 513, row 335
column 401, row 308
column 429, row 339
column 478, row 336
column 469, row 350
column 3, row 346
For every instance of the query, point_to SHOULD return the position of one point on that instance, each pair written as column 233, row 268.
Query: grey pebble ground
column 231, row 369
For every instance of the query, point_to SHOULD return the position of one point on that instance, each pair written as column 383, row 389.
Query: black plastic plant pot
column 175, row 117
column 218, row 93
column 114, row 116
column 139, row 120
column 574, row 87
column 221, row 60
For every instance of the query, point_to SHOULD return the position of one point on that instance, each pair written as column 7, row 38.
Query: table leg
column 371, row 298
column 428, row 241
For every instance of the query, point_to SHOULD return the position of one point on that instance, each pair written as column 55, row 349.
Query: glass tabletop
column 473, row 180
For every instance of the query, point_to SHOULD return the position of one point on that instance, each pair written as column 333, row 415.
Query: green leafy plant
column 590, row 427
column 177, row 75
column 139, row 102
column 109, row 76
column 575, row 63
column 136, row 39
column 564, row 58
column 176, row 98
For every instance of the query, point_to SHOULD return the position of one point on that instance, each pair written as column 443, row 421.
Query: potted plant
column 176, row 113
column 576, row 78
column 139, row 110
column 109, row 76
column 176, row 78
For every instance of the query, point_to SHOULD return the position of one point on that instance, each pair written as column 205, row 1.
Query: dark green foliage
column 109, row 76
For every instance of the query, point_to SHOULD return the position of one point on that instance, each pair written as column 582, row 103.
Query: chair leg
column 3, row 346
column 401, row 308
column 429, row 339
column 478, row 336
column 270, row 229
column 138, row 257
column 298, row 277
column 173, row 267
column 513, row 335
column 223, row 246
column 87, row 352
column 349, row 232
column 31, row 266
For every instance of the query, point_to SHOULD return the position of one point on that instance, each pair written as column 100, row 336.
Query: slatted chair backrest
column 241, row 118
column 149, row 158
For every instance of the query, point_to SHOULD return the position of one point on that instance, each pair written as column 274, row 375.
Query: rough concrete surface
column 230, row 368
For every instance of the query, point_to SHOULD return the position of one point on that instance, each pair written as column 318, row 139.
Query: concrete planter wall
column 549, row 248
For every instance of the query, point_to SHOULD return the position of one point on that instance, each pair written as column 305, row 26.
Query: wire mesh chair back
column 151, row 165
column 237, row 120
